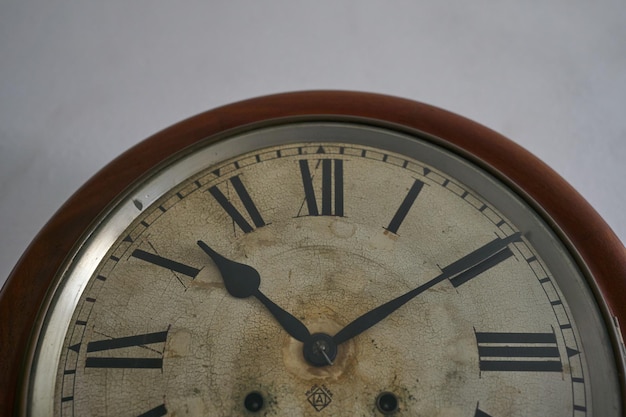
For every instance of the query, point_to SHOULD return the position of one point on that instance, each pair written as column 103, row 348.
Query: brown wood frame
column 27, row 286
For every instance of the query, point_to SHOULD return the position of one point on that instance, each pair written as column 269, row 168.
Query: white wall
column 81, row 81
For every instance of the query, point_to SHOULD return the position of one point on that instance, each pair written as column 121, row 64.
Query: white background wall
column 82, row 81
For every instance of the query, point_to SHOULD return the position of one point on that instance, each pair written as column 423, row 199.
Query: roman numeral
column 246, row 200
column 331, row 187
column 522, row 352
column 404, row 208
column 165, row 263
column 158, row 411
column 480, row 260
column 141, row 340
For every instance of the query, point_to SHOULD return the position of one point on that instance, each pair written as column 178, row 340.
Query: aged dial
column 317, row 265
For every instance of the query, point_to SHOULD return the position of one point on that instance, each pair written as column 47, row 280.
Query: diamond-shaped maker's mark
column 319, row 397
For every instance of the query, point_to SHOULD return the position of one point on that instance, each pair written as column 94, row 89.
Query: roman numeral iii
column 518, row 352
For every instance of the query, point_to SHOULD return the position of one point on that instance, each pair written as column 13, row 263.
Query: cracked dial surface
column 337, row 219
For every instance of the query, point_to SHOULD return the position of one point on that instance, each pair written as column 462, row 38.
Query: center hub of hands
column 320, row 350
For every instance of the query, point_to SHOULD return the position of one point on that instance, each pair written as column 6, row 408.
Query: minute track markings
column 357, row 267
column 402, row 212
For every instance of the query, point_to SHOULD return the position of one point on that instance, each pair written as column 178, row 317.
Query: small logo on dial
column 319, row 397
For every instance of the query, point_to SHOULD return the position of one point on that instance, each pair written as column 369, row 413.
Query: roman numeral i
column 404, row 208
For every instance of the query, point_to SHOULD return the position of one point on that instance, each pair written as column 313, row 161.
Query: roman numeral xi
column 250, row 208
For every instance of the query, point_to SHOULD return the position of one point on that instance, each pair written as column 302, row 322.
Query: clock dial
column 314, row 267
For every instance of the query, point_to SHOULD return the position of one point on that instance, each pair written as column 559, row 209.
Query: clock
column 319, row 253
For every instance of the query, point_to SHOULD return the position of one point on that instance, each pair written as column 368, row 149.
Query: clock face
column 489, row 313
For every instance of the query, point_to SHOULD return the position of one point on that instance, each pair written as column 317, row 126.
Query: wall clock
column 319, row 253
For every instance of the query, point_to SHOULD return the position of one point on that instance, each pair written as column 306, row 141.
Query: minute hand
column 458, row 272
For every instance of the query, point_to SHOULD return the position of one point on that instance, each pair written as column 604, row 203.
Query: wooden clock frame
column 23, row 297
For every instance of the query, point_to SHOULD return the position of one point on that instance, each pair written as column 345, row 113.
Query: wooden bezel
column 593, row 243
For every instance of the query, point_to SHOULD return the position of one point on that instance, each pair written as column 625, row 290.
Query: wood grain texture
column 26, row 289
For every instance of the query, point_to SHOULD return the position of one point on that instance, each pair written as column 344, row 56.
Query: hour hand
column 243, row 281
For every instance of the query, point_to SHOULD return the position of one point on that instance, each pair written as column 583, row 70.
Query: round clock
column 319, row 253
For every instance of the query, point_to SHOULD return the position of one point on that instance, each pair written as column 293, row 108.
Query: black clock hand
column 242, row 281
column 458, row 272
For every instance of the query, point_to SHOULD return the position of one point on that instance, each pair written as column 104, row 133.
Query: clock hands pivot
column 243, row 281
column 320, row 349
